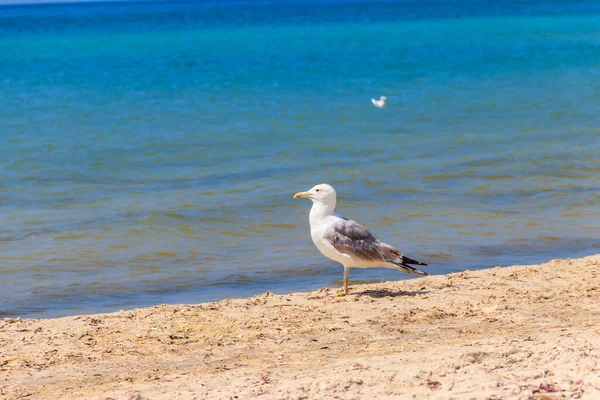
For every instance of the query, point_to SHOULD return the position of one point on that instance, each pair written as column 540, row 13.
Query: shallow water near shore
column 150, row 152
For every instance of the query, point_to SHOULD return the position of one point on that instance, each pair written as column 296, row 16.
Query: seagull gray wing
column 351, row 238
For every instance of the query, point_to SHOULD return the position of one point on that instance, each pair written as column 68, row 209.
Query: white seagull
column 346, row 241
column 379, row 103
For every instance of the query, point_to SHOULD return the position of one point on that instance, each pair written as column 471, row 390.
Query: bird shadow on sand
column 390, row 293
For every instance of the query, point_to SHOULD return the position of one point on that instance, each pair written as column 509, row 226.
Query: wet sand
column 518, row 332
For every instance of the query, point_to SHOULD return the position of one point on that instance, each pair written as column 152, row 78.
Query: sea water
column 149, row 152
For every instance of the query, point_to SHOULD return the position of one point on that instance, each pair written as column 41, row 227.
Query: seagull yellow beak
column 301, row 195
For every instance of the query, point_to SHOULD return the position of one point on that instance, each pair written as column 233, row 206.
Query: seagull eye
column 317, row 190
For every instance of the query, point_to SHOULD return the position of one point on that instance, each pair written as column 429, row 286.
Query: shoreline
column 511, row 332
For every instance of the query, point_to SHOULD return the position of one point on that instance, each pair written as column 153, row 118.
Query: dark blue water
column 150, row 151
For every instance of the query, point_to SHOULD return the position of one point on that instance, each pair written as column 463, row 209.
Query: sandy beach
column 513, row 333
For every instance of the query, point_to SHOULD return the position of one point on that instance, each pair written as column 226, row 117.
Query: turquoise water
column 150, row 151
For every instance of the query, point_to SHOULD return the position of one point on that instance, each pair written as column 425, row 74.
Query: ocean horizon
column 150, row 150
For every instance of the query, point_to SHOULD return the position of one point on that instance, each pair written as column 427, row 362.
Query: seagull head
column 383, row 98
column 322, row 193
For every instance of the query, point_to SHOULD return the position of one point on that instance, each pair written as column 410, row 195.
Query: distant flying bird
column 379, row 103
column 346, row 241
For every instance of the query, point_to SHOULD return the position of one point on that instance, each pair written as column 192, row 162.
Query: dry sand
column 519, row 332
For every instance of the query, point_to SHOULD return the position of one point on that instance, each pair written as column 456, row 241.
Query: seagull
column 379, row 103
column 348, row 242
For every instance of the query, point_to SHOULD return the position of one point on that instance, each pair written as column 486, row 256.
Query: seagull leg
column 346, row 276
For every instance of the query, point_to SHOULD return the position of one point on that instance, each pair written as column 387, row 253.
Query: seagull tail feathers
column 395, row 257
column 409, row 268
column 406, row 260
